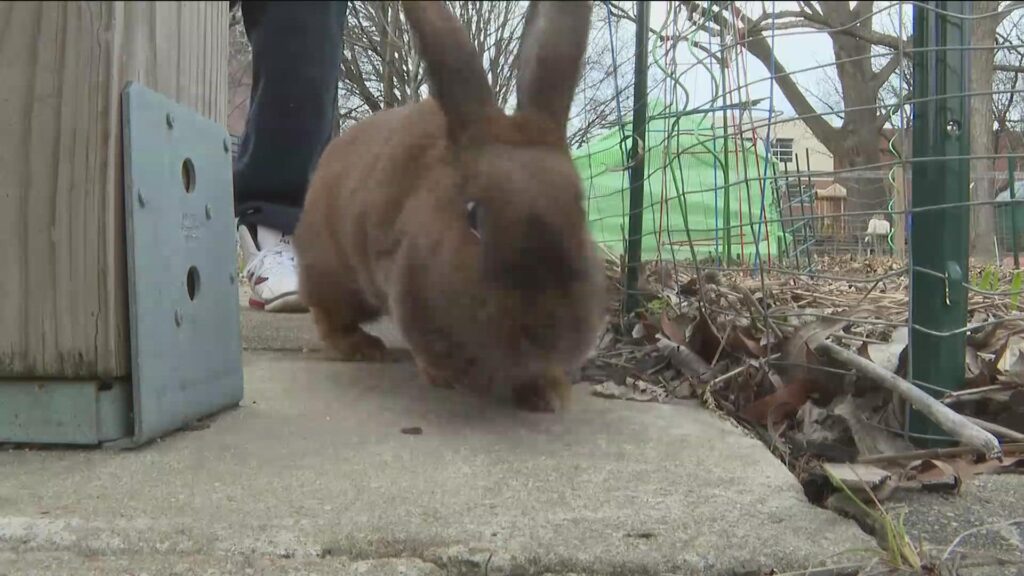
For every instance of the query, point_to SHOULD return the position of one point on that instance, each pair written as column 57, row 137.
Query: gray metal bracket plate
column 182, row 265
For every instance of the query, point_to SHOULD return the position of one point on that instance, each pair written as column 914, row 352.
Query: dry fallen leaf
column 800, row 347
column 674, row 327
column 932, row 476
column 690, row 287
column 870, row 440
column 863, row 480
column 779, row 406
column 683, row 389
column 1010, row 466
column 986, row 337
column 976, row 375
column 741, row 343
column 801, row 363
column 645, row 331
column 1010, row 366
column 820, row 425
column 703, row 339
column 637, row 391
column 887, row 356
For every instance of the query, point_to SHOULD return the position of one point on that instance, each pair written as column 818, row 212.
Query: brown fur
column 385, row 229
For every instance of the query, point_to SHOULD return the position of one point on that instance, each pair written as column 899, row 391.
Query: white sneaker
column 270, row 270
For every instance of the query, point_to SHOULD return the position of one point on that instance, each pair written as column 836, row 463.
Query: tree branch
column 758, row 45
column 1009, row 9
column 819, row 21
column 888, row 113
column 951, row 422
column 882, row 76
column 620, row 13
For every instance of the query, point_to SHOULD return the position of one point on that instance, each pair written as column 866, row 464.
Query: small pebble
column 412, row 430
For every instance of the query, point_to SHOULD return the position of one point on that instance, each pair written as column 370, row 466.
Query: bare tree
column 380, row 67
column 239, row 73
column 377, row 67
column 982, row 141
column 605, row 90
column 1008, row 83
column 997, row 32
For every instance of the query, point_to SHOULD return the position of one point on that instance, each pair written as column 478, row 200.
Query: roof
column 833, row 191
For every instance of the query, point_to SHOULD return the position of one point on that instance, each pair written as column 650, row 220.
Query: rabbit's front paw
column 358, row 346
column 547, row 393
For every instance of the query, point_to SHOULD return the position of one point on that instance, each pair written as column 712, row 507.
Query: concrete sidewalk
column 313, row 474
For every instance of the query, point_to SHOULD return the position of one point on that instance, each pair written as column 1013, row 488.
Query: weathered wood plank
column 63, row 299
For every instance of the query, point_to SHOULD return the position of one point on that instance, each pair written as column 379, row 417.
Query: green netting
column 686, row 185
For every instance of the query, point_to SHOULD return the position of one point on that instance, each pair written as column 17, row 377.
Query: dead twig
column 933, row 453
column 740, row 369
column 756, row 307
column 963, row 395
column 721, row 345
column 939, row 413
column 689, row 362
column 997, row 429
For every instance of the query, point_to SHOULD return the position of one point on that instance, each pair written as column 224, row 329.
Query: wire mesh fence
column 799, row 162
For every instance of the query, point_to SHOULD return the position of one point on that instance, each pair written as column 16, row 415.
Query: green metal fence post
column 941, row 175
column 634, row 240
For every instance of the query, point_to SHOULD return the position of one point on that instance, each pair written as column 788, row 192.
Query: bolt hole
column 188, row 175
column 192, row 282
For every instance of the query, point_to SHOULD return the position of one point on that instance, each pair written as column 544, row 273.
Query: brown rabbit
column 462, row 222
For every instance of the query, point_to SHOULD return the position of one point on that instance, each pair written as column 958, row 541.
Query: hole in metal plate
column 188, row 175
column 192, row 282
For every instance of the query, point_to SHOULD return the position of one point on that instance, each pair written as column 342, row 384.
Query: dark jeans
column 296, row 62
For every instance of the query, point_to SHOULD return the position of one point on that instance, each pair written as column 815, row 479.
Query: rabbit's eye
column 473, row 217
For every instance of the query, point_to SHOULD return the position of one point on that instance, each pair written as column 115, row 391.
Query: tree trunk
column 858, row 158
column 983, row 226
column 857, row 149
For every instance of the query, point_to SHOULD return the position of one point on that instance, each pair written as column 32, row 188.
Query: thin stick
column 933, row 453
column 962, row 395
column 756, row 307
column 997, row 429
column 736, row 371
column 939, row 413
column 688, row 361
column 729, row 374
column 721, row 344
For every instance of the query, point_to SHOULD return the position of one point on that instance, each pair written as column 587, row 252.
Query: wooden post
column 63, row 314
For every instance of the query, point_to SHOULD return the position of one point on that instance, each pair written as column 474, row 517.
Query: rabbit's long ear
column 454, row 72
column 551, row 57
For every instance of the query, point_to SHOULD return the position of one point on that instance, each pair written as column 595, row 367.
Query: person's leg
column 296, row 60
